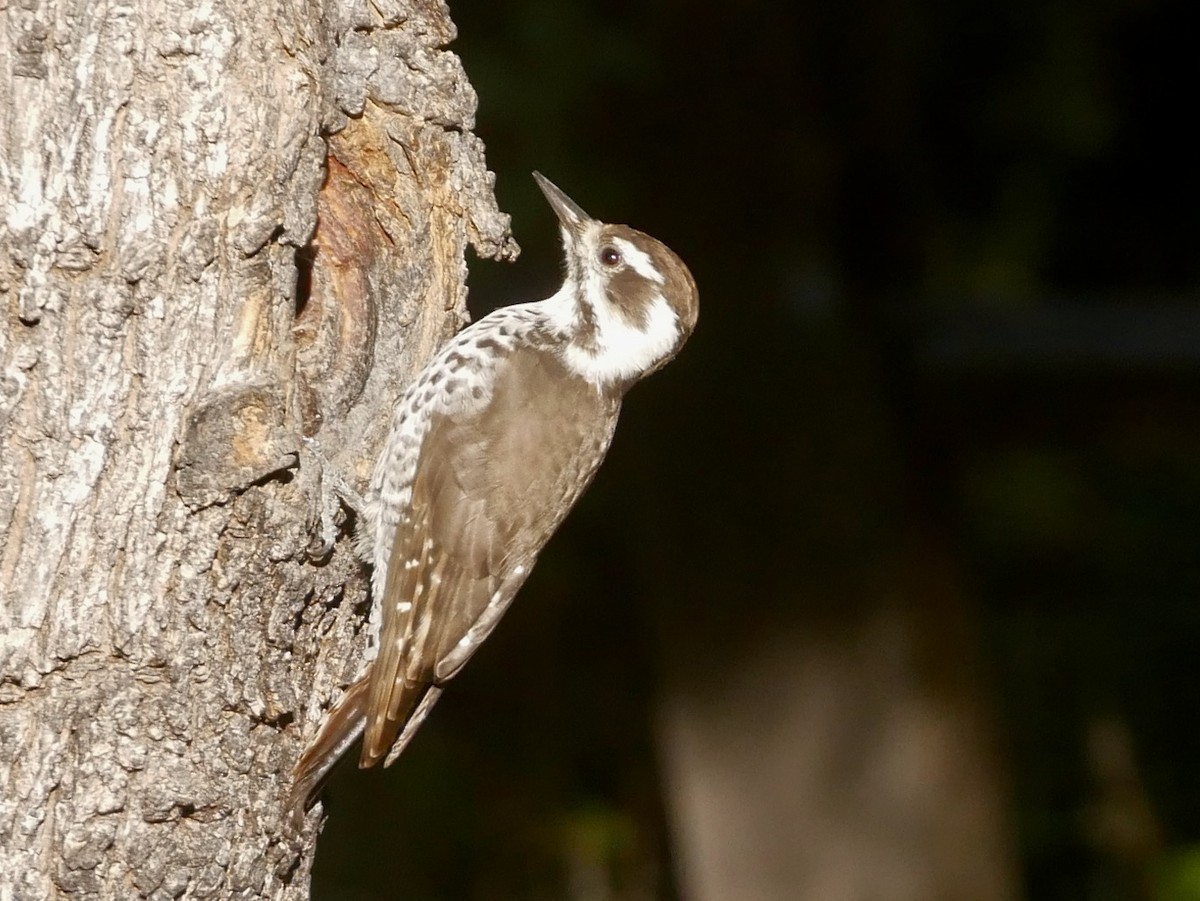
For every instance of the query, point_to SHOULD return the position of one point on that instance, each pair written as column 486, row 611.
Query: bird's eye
column 610, row 256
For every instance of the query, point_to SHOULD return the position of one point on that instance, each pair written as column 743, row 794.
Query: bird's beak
column 569, row 213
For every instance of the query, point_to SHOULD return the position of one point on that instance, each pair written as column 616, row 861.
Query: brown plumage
column 498, row 483
column 488, row 451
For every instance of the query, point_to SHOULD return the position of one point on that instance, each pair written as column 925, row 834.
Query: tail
column 388, row 732
column 341, row 728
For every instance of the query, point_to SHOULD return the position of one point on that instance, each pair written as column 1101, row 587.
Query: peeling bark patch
column 31, row 47
column 336, row 328
column 236, row 438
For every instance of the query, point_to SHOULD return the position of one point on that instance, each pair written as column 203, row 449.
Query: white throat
column 621, row 351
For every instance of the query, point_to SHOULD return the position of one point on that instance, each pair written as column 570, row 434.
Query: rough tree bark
column 172, row 326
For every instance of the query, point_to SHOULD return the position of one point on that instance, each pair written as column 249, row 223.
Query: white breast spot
column 623, row 350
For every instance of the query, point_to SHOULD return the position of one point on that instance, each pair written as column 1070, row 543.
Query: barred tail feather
column 432, row 693
column 391, row 728
column 341, row 728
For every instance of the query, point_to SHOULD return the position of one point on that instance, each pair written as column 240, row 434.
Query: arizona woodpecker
column 489, row 449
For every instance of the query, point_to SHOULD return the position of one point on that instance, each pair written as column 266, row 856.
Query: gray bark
column 166, row 642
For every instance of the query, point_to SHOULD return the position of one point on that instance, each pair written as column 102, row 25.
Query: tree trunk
column 839, row 761
column 823, row 724
column 172, row 327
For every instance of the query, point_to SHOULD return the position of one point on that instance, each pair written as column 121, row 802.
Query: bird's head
column 628, row 303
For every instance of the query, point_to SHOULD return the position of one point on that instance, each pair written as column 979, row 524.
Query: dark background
column 947, row 258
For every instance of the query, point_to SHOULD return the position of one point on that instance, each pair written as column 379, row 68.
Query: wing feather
column 491, row 486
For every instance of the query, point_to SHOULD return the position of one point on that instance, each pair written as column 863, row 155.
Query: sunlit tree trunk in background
column 824, row 730
column 169, row 334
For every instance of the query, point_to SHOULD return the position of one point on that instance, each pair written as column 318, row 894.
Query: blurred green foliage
column 1179, row 876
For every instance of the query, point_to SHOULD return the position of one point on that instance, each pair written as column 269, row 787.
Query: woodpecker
column 488, row 450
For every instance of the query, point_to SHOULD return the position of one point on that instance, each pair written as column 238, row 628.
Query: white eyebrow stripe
column 640, row 261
